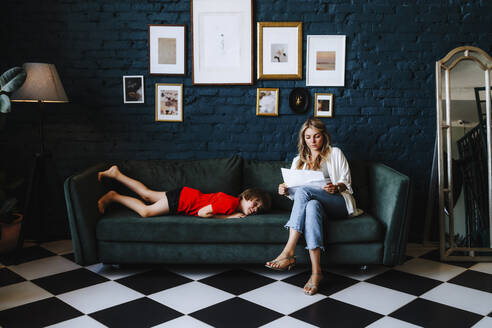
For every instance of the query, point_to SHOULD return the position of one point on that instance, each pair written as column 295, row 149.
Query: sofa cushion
column 123, row 225
column 363, row 228
column 267, row 175
column 206, row 175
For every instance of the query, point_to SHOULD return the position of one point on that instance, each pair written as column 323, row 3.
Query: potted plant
column 10, row 218
column 10, row 223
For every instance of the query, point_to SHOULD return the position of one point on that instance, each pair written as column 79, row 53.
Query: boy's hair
column 255, row 193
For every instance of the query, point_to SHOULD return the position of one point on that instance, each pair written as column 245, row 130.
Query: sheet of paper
column 295, row 178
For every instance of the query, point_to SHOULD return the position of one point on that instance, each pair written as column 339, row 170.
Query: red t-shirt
column 192, row 200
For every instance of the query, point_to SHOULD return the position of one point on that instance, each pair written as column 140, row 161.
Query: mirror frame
column 446, row 64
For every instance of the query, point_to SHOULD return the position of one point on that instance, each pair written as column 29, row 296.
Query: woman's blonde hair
column 304, row 151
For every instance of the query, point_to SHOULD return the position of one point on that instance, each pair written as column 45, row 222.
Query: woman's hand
column 334, row 189
column 283, row 190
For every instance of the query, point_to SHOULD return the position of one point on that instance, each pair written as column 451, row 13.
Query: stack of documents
column 297, row 178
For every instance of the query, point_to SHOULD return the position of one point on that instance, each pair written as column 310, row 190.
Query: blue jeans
column 311, row 206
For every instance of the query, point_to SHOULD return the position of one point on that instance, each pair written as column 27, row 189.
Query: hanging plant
column 10, row 81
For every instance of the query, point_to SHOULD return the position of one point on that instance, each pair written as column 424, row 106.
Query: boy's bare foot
column 112, row 172
column 104, row 201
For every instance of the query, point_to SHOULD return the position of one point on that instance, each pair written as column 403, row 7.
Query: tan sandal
column 313, row 286
column 291, row 263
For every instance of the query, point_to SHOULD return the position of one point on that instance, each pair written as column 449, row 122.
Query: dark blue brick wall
column 385, row 112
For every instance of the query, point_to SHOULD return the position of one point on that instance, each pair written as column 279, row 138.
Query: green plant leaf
column 4, row 104
column 12, row 79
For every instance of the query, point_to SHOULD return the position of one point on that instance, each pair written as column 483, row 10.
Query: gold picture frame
column 323, row 104
column 279, row 50
column 267, row 101
column 168, row 102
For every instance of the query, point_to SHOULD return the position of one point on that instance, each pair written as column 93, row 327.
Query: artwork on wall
column 279, row 50
column 133, row 89
column 299, row 99
column 222, row 41
column 323, row 105
column 267, row 102
column 325, row 60
column 167, row 49
column 168, row 102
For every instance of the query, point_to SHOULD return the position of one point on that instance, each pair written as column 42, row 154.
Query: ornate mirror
column 464, row 154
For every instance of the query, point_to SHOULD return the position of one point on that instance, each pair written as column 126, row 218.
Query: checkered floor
column 42, row 286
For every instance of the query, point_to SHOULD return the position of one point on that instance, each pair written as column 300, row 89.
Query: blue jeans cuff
column 298, row 229
column 320, row 247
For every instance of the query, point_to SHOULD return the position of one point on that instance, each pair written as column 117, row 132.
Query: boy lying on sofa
column 184, row 201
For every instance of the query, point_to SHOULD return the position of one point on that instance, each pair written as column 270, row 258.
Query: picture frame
column 167, row 49
column 222, row 43
column 133, row 89
column 323, row 105
column 325, row 60
column 168, row 102
column 267, row 101
column 279, row 50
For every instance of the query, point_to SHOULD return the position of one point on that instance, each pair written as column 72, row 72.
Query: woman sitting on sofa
column 314, row 204
column 185, row 200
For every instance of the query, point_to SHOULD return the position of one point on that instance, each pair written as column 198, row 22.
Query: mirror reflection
column 467, row 219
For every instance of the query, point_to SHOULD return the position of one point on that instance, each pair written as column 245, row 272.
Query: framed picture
column 222, row 41
column 323, row 105
column 325, row 60
column 167, row 49
column 279, row 50
column 168, row 102
column 267, row 102
column 133, row 89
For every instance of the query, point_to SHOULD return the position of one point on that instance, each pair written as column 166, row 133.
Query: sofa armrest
column 390, row 196
column 82, row 191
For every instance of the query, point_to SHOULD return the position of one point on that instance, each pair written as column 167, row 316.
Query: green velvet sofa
column 120, row 236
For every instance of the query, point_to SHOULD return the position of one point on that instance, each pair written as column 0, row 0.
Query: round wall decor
column 299, row 100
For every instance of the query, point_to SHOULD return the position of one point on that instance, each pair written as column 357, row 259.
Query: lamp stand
column 44, row 199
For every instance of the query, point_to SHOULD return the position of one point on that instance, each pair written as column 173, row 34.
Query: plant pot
column 10, row 234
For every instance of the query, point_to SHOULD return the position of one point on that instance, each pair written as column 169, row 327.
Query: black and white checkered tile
column 42, row 286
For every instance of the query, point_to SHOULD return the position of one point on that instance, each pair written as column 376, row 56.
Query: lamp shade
column 42, row 84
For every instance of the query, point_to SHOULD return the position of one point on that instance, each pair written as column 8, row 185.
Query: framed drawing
column 167, row 49
column 279, row 50
column 267, row 102
column 323, row 105
column 168, row 102
column 222, row 41
column 133, row 89
column 325, row 60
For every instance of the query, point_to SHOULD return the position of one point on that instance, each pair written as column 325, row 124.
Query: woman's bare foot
column 282, row 262
column 112, row 172
column 312, row 284
column 104, row 201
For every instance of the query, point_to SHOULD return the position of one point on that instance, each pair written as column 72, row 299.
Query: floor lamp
column 42, row 85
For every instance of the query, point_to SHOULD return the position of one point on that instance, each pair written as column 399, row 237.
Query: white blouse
column 336, row 170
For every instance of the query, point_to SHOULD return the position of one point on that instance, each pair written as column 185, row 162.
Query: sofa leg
column 364, row 268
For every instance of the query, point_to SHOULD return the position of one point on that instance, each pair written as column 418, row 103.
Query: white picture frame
column 168, row 102
column 222, row 42
column 133, row 89
column 279, row 50
column 167, row 49
column 323, row 105
column 325, row 60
